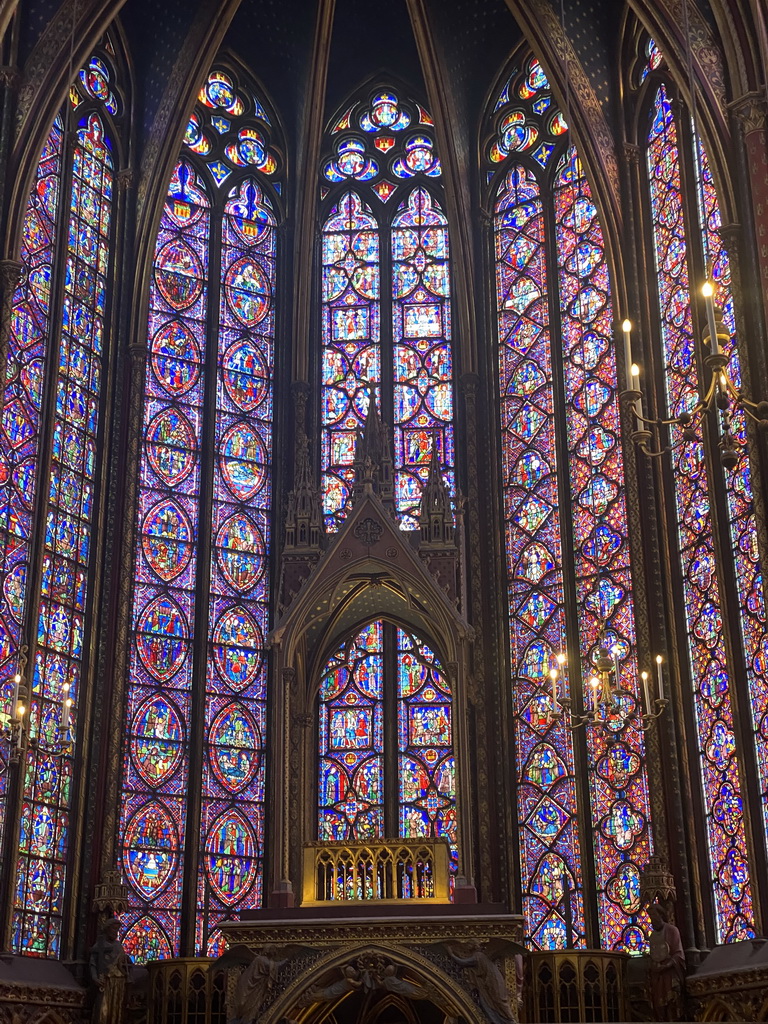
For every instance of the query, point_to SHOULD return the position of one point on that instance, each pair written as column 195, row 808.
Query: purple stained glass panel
column 620, row 813
column 426, row 765
column 20, row 429
column 155, row 763
column 743, row 529
column 232, row 823
column 61, row 614
column 351, row 764
column 550, row 852
column 351, row 359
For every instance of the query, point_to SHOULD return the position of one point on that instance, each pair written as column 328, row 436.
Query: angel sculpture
column 399, row 986
column 349, row 981
column 258, row 980
column 486, row 977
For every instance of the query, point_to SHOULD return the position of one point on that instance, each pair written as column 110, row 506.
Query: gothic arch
column 425, row 971
column 370, row 571
column 45, row 88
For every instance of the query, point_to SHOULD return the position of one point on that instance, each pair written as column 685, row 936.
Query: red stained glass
column 720, row 774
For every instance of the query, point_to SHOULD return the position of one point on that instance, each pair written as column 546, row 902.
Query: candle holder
column 608, row 705
column 721, row 393
column 13, row 726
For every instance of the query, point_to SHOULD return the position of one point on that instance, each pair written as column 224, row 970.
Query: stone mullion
column 10, row 275
column 641, row 501
column 468, row 384
column 138, row 354
column 104, row 610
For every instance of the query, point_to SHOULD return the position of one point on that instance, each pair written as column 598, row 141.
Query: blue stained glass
column 20, row 435
column 351, row 767
column 53, row 713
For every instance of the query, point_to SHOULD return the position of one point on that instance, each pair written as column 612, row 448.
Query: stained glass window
column 384, row 210
column 357, row 697
column 351, row 783
column 200, row 614
column 710, row 672
column 544, row 365
column 20, row 439
column 66, row 267
column 426, row 765
column 546, row 802
column 351, row 350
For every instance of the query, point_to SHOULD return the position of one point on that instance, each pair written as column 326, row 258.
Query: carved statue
column 109, row 966
column 390, row 982
column 257, row 981
column 666, row 974
column 489, row 983
column 349, row 981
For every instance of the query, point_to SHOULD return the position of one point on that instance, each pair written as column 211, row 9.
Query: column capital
column 751, row 111
column 127, row 179
column 10, row 76
column 10, row 275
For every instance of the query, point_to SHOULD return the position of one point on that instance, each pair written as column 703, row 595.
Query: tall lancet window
column 711, row 570
column 193, row 774
column 386, row 333
column 49, row 481
column 567, row 552
column 386, row 764
column 386, row 319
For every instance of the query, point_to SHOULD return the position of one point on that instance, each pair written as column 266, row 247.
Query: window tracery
column 553, row 355
column 200, row 602
column 672, row 150
column 386, row 299
column 51, row 426
column 360, row 692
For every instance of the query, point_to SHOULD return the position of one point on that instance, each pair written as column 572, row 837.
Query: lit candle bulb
column 708, row 291
column 16, row 684
column 644, row 677
column 66, row 703
column 594, row 682
column 660, row 674
column 627, row 329
column 553, row 677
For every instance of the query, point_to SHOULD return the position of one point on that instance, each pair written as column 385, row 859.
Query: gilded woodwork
column 584, row 985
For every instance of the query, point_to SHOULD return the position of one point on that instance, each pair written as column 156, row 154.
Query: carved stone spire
column 435, row 516
column 302, row 522
column 373, row 461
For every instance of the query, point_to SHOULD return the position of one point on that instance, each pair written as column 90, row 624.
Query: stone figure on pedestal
column 666, row 973
column 109, row 966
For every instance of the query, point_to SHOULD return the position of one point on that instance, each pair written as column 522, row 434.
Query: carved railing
column 575, row 985
column 186, row 991
column 380, row 871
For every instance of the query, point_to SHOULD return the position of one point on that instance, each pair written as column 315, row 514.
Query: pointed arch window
column 193, row 775
column 58, row 348
column 386, row 762
column 386, row 323
column 566, row 533
column 721, row 583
